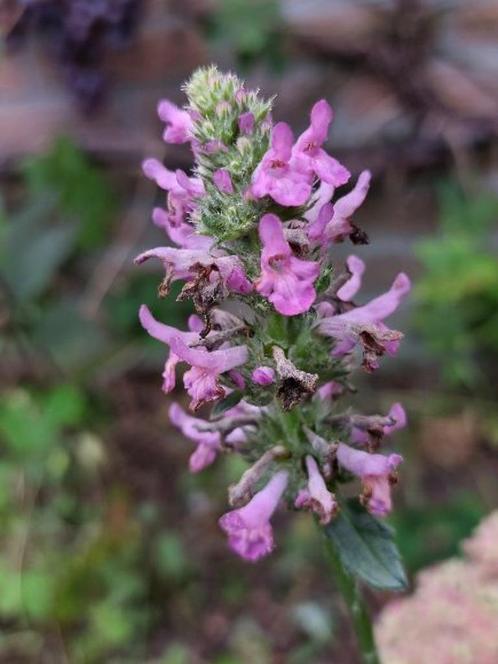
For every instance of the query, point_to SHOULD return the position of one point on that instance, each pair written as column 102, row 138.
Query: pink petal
column 216, row 361
column 382, row 306
column 246, row 123
column 164, row 178
column 179, row 121
column 282, row 139
column 356, row 268
column 223, row 181
column 249, row 530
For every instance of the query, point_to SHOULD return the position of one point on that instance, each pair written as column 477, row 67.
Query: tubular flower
column 377, row 473
column 202, row 379
column 316, row 496
column 287, row 281
column 340, row 225
column 178, row 122
column 249, row 529
column 372, row 429
column 275, row 175
column 225, row 272
column 183, row 191
column 208, row 442
column 166, row 334
column 308, row 154
column 364, row 325
column 277, row 320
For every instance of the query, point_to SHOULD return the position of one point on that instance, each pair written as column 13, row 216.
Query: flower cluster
column 453, row 614
column 255, row 225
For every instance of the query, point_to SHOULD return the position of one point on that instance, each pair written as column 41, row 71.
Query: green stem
column 353, row 598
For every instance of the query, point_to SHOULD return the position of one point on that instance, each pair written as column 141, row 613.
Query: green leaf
column 225, row 404
column 82, row 189
column 33, row 253
column 366, row 548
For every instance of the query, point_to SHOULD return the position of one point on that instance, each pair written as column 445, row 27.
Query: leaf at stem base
column 366, row 548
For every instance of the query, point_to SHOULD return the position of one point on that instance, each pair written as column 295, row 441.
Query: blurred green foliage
column 80, row 188
column 251, row 30
column 73, row 561
column 431, row 533
column 50, row 246
column 457, row 295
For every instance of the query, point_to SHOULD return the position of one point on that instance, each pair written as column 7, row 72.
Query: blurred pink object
column 452, row 618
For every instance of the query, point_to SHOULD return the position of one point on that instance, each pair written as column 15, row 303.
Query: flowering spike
column 254, row 225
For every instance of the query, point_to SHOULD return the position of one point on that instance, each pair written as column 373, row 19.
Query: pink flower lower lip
column 286, row 280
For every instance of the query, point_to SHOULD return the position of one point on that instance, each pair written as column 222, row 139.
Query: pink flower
column 223, row 181
column 166, row 333
column 237, row 437
column 285, row 280
column 308, row 154
column 211, row 147
column 249, row 530
column 332, row 223
column 263, row 376
column 177, row 181
column 178, row 263
column 246, row 123
column 316, row 497
column 202, row 380
column 396, row 412
column 344, row 207
column 183, row 191
column 178, row 122
column 330, row 390
column 183, row 264
column 356, row 269
column 377, row 473
column 324, row 195
column 383, row 306
column 208, row 442
column 316, row 229
column 275, row 177
column 481, row 547
column 181, row 233
column 365, row 325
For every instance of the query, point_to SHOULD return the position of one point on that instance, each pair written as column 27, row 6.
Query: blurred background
column 109, row 550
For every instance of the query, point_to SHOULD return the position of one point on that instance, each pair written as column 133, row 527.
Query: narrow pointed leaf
column 366, row 548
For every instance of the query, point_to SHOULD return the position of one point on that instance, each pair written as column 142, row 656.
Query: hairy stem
column 360, row 617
